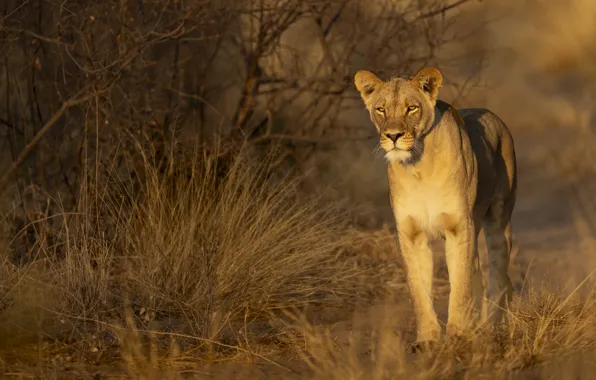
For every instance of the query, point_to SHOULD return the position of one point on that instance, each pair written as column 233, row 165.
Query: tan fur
column 451, row 173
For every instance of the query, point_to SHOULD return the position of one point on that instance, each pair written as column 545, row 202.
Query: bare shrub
column 271, row 72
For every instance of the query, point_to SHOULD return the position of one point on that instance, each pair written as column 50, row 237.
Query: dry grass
column 231, row 266
column 205, row 269
column 206, row 255
column 543, row 327
column 217, row 249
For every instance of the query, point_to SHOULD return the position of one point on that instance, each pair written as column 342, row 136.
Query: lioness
column 451, row 173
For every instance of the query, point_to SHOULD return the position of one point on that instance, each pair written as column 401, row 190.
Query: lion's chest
column 432, row 207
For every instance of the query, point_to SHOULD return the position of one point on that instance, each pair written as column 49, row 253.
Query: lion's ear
column 366, row 82
column 429, row 80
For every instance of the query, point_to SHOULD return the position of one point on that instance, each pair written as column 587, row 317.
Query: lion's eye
column 412, row 109
column 380, row 110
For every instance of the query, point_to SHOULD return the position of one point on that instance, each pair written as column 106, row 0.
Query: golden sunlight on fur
column 454, row 174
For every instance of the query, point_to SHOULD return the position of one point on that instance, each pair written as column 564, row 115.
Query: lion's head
column 403, row 110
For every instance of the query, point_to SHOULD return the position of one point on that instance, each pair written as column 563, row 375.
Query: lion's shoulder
column 482, row 124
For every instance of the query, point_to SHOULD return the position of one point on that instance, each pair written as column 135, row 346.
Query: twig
column 35, row 35
column 47, row 126
column 442, row 10
column 334, row 19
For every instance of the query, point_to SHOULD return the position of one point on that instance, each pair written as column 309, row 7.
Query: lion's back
column 483, row 124
column 493, row 145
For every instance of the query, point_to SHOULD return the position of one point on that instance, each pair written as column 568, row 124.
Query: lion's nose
column 394, row 136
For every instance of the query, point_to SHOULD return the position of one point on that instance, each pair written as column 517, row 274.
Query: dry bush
column 232, row 245
column 79, row 76
column 196, row 252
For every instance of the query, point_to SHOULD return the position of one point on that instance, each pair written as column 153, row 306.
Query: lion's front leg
column 418, row 261
column 461, row 254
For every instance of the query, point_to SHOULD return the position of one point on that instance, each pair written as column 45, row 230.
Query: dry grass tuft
column 219, row 248
column 206, row 253
column 542, row 328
